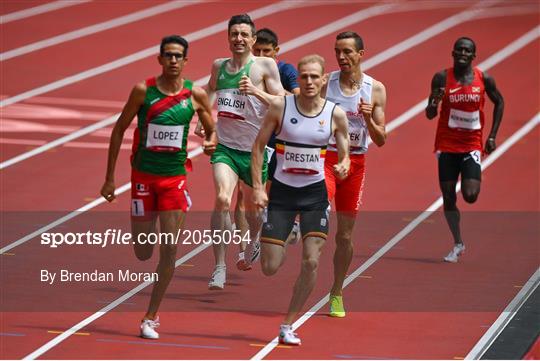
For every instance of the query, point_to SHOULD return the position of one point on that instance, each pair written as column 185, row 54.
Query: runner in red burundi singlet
column 164, row 106
column 458, row 143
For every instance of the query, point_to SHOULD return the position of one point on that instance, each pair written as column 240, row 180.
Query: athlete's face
column 172, row 59
column 347, row 56
column 463, row 52
column 266, row 50
column 241, row 39
column 310, row 79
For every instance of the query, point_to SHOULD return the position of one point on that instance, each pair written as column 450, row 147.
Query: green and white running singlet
column 239, row 119
column 239, row 115
column 160, row 141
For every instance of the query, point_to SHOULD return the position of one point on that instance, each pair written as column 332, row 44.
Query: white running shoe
column 241, row 262
column 455, row 253
column 294, row 236
column 287, row 336
column 217, row 282
column 148, row 328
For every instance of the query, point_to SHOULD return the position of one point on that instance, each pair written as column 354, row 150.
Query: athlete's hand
column 210, row 144
column 341, row 169
column 490, row 145
column 366, row 109
column 199, row 130
column 246, row 86
column 107, row 191
column 260, row 198
column 436, row 97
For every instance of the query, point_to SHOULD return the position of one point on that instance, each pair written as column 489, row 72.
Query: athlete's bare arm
column 340, row 128
column 496, row 97
column 270, row 124
column 437, row 92
column 266, row 83
column 132, row 106
column 211, row 92
column 374, row 114
column 204, row 111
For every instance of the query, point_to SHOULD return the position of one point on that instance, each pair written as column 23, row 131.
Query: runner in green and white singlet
column 243, row 86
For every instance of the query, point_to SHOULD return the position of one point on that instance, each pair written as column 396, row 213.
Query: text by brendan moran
column 97, row 276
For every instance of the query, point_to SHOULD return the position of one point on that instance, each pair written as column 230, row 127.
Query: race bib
column 464, row 120
column 357, row 136
column 164, row 138
column 231, row 105
column 301, row 160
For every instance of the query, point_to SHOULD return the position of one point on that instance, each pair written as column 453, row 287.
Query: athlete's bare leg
column 451, row 211
column 344, row 251
column 225, row 180
column 143, row 251
column 170, row 223
column 306, row 280
column 240, row 217
column 272, row 257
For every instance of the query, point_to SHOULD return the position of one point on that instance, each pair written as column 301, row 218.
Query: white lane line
column 112, row 119
column 96, row 28
column 21, row 14
column 285, row 47
column 530, row 125
column 504, row 318
column 64, row 335
column 197, row 35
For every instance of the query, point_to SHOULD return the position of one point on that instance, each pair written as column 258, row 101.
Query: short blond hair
column 313, row 58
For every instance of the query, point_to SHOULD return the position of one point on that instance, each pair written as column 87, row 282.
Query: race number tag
column 301, row 160
column 231, row 104
column 357, row 135
column 464, row 120
column 164, row 138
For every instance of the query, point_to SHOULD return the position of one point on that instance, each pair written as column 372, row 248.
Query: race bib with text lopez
column 164, row 138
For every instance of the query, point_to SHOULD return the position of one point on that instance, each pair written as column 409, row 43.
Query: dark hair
column 358, row 42
column 267, row 36
column 468, row 39
column 176, row 39
column 241, row 19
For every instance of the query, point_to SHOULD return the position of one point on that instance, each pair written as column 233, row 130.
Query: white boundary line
column 505, row 317
column 524, row 130
column 196, row 35
column 288, row 46
column 96, row 28
column 26, row 13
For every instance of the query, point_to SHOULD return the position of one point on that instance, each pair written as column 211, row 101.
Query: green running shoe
column 336, row 306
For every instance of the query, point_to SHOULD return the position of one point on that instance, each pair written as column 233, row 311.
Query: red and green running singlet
column 160, row 140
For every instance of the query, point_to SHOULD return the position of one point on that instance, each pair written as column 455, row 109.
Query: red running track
column 408, row 304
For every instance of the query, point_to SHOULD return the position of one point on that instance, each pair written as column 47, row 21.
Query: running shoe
column 287, row 336
column 455, row 253
column 148, row 328
column 294, row 236
column 241, row 262
column 217, row 282
column 336, row 306
column 254, row 252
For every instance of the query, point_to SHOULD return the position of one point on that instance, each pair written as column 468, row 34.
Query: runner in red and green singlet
column 164, row 106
